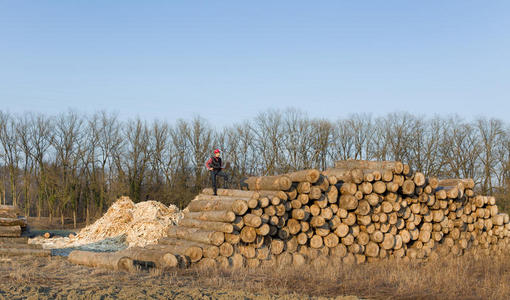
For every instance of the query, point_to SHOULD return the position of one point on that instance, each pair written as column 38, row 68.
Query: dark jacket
column 214, row 162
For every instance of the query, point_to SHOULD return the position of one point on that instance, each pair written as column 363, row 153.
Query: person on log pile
column 215, row 167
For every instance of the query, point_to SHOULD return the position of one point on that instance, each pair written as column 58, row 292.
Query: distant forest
column 74, row 166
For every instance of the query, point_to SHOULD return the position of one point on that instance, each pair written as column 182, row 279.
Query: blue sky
column 229, row 60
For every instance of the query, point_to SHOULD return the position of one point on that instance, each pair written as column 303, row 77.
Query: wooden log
column 194, row 251
column 162, row 256
column 13, row 222
column 388, row 241
column 298, row 259
column 252, row 220
column 332, row 180
column 303, row 198
column 348, row 202
column 316, row 242
column 270, row 194
column 247, row 251
column 372, row 249
column 346, row 175
column 248, row 234
column 368, row 176
column 304, row 187
column 363, row 208
column 114, row 261
column 332, row 194
column 272, row 183
column 291, row 193
column 277, row 246
column 408, row 187
column 323, row 183
column 419, row 179
column 347, row 188
column 215, row 226
column 10, row 210
column 467, row 183
column 198, row 235
column 331, row 240
column 342, row 230
column 263, row 230
column 379, row 187
column 251, row 204
column 311, row 175
column 377, row 236
column 394, row 166
column 237, row 261
column 350, row 219
column 317, row 221
column 213, row 216
column 10, row 231
column 233, row 238
column 315, row 193
column 231, row 193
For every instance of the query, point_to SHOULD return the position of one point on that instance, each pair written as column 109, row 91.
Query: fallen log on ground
column 109, row 260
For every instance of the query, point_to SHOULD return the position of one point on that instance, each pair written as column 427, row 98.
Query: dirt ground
column 55, row 278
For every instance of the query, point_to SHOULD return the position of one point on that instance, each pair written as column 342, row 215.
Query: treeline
column 73, row 166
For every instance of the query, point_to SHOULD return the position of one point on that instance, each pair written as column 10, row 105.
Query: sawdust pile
column 137, row 224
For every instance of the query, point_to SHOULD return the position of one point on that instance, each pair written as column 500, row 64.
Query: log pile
column 356, row 212
column 11, row 224
column 11, row 241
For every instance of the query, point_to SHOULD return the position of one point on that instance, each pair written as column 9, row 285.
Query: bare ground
column 449, row 278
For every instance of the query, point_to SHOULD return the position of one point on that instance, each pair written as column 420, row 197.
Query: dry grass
column 456, row 278
column 453, row 278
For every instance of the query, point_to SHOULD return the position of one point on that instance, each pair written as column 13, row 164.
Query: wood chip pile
column 357, row 212
column 125, row 222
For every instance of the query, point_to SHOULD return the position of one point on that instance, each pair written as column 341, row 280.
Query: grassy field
column 455, row 278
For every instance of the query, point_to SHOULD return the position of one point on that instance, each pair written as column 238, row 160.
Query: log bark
column 197, row 235
column 10, row 231
column 213, row 216
column 162, row 256
column 248, row 234
column 346, row 175
column 419, row 179
column 394, row 166
column 272, row 183
column 9, row 209
column 348, row 202
column 13, row 222
column 207, row 225
column 311, row 175
column 232, row 193
column 113, row 261
column 347, row 188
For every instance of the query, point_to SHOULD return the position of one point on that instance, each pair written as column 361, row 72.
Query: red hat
column 216, row 151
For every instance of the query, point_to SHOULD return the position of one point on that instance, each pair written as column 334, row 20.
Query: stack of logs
column 358, row 211
column 12, row 224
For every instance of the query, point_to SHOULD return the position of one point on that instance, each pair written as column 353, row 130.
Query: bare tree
column 491, row 133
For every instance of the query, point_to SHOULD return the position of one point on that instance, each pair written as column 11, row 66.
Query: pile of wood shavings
column 141, row 224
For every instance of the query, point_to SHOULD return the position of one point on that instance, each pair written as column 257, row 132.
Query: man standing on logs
column 214, row 165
